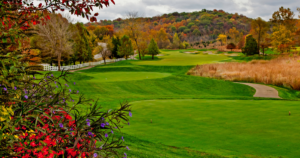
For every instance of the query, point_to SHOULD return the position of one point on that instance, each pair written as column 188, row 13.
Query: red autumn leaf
column 40, row 5
column 96, row 14
column 113, row 1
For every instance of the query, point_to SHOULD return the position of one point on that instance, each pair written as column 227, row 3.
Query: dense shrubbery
column 39, row 115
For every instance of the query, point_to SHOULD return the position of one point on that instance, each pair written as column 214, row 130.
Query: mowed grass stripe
column 223, row 127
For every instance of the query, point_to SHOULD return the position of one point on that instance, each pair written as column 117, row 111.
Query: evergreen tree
column 116, row 42
column 250, row 46
column 153, row 48
column 126, row 48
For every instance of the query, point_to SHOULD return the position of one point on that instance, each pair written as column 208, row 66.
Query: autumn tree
column 53, row 38
column 133, row 28
column 284, row 17
column 222, row 38
column 125, row 49
column 81, row 46
column 107, row 48
column 231, row 46
column 259, row 29
column 234, row 34
column 241, row 43
column 162, row 38
column 282, row 38
column 144, row 48
column 185, row 44
column 101, row 31
column 153, row 48
column 176, row 41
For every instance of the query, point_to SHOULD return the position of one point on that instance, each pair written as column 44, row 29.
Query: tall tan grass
column 224, row 49
column 282, row 71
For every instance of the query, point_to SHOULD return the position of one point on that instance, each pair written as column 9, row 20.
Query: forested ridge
column 195, row 26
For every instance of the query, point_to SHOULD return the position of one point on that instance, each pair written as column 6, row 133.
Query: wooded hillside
column 203, row 25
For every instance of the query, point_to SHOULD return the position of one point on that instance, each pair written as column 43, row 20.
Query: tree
column 284, row 17
column 162, row 38
column 282, row 38
column 233, row 33
column 185, row 44
column 250, row 46
column 241, row 43
column 153, row 48
column 133, row 28
column 196, row 32
column 144, row 48
column 100, row 32
column 176, row 41
column 259, row 30
column 116, row 43
column 53, row 38
column 125, row 49
column 81, row 47
column 231, row 46
column 173, row 29
column 222, row 38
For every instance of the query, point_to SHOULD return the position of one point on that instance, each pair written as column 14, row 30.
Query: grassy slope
column 223, row 127
column 178, row 85
column 166, row 80
column 175, row 58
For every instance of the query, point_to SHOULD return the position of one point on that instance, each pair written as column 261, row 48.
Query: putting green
column 246, row 128
column 124, row 76
column 175, row 58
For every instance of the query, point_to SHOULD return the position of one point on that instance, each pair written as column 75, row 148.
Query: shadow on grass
column 247, row 58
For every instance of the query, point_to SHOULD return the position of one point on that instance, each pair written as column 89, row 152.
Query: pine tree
column 116, row 42
column 250, row 46
column 126, row 48
column 153, row 48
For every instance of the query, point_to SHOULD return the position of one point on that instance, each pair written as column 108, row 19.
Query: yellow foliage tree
column 222, row 38
column 234, row 34
column 259, row 29
column 282, row 38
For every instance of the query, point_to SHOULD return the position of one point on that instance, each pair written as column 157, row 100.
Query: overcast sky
column 149, row 8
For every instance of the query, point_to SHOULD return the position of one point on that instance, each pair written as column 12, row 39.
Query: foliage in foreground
column 39, row 117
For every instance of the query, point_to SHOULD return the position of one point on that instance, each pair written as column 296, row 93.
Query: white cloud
column 149, row 8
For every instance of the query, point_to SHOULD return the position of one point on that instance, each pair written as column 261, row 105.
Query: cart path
column 263, row 91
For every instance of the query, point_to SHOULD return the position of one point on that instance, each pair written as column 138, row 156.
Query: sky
column 149, row 8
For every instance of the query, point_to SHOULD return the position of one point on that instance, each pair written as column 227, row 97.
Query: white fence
column 78, row 66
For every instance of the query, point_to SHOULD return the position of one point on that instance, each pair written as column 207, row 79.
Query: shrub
column 39, row 116
column 231, row 46
column 251, row 46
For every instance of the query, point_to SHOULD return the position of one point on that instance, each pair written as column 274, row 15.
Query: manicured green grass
column 170, row 83
column 243, row 58
column 175, row 58
column 124, row 76
column 192, row 116
column 242, row 128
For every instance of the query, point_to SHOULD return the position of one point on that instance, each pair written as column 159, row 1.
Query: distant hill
column 203, row 25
